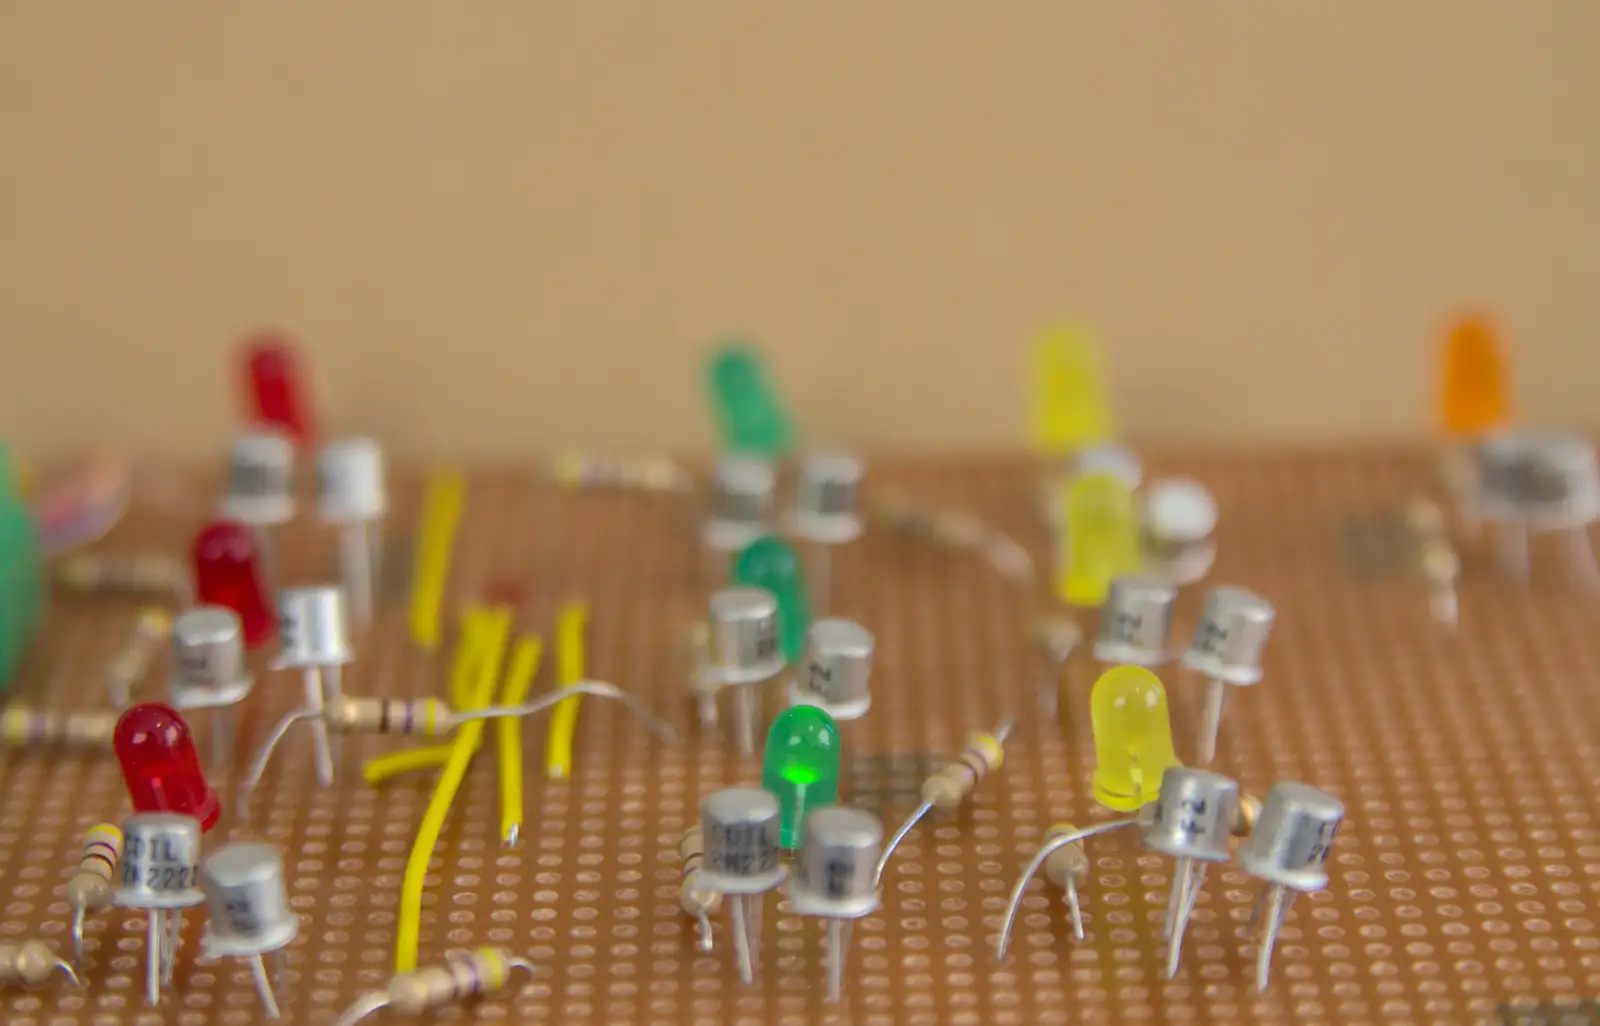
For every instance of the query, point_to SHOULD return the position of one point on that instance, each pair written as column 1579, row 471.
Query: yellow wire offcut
column 494, row 633
column 572, row 625
column 508, row 736
column 441, row 513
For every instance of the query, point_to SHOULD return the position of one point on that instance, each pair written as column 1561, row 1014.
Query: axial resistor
column 470, row 974
column 698, row 901
column 427, row 717
column 29, row 963
column 21, row 725
column 950, row 786
column 1440, row 564
column 575, row 469
column 90, row 888
column 141, row 571
column 1067, row 867
column 1425, row 518
column 1057, row 638
column 150, row 634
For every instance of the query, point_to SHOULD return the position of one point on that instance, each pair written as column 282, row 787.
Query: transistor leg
column 319, row 727
column 266, row 555
column 173, row 939
column 155, row 943
column 1194, row 877
column 1580, row 558
column 221, row 738
column 332, row 693
column 1511, row 543
column 744, row 716
column 1269, row 935
column 1074, row 907
column 1175, row 897
column 821, row 578
column 269, row 1000
column 355, row 557
column 838, row 937
column 1210, row 722
column 742, row 945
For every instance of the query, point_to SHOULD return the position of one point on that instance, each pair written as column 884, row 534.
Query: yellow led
column 1132, row 737
column 1070, row 409
column 1101, row 537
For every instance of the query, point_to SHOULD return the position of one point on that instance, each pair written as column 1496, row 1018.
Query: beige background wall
column 501, row 225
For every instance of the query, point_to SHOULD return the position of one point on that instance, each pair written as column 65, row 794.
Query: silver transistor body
column 835, row 877
column 1136, row 621
column 1288, row 851
column 260, row 489
column 209, row 671
column 247, row 904
column 740, row 829
column 743, row 627
column 1192, row 821
column 1529, row 482
column 351, row 495
column 160, row 873
column 837, row 670
column 314, row 638
column 740, row 506
column 1228, row 643
column 1178, row 519
column 827, row 512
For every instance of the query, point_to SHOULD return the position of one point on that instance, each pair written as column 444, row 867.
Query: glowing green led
column 21, row 579
column 801, row 767
column 749, row 412
column 771, row 564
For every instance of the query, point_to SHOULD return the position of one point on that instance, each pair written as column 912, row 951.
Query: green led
column 21, row 573
column 801, row 767
column 771, row 564
column 749, row 412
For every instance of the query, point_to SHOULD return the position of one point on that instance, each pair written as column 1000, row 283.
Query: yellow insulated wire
column 462, row 675
column 441, row 513
column 572, row 625
column 508, row 736
column 495, row 634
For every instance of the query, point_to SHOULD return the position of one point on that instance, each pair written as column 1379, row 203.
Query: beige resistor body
column 956, row 530
column 20, row 725
column 699, row 902
column 150, row 635
column 643, row 473
column 91, row 887
column 428, row 717
column 29, row 963
column 143, row 571
column 471, row 973
column 949, row 787
column 1066, row 867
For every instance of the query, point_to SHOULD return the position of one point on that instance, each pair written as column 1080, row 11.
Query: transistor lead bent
column 429, row 717
column 1052, row 845
column 946, row 789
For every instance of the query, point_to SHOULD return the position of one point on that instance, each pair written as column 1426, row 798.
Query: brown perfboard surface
column 1465, row 874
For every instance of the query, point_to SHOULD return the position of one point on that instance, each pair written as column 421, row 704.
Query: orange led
column 1474, row 379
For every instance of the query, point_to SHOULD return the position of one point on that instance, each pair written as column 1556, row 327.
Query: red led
column 160, row 766
column 227, row 572
column 276, row 389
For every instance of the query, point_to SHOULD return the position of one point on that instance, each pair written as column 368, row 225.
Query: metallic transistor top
column 741, row 501
column 208, row 667
column 739, row 826
column 1551, row 480
column 837, row 669
column 350, row 485
column 744, row 635
column 837, row 863
column 1292, row 837
column 1193, row 817
column 260, row 480
column 1136, row 621
column 247, row 901
column 313, row 629
column 1229, row 639
column 160, row 861
column 827, row 499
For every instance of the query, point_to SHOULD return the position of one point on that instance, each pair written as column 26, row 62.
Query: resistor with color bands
column 948, row 787
column 1066, row 867
column 21, row 725
column 644, row 473
column 150, row 633
column 698, row 902
column 484, row 971
column 91, row 887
